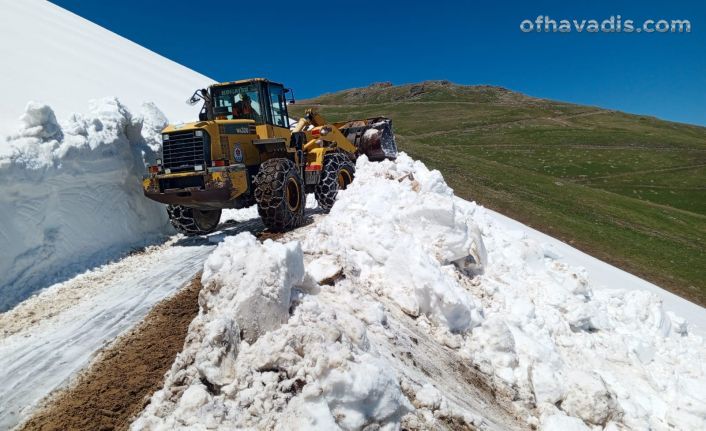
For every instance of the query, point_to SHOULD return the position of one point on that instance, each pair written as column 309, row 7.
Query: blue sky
column 317, row 47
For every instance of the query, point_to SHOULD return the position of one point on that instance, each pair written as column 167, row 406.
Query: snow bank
column 72, row 195
column 606, row 356
column 284, row 336
column 310, row 369
column 410, row 306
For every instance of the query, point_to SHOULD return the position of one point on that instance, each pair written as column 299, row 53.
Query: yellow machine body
column 210, row 164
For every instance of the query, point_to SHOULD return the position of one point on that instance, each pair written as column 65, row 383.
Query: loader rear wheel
column 337, row 173
column 279, row 195
column 193, row 221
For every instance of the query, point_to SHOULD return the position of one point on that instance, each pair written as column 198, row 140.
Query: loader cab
column 259, row 100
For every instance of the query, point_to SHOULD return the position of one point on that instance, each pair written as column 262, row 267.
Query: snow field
column 60, row 59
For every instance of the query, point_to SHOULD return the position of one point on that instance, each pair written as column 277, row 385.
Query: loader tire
column 279, row 194
column 192, row 221
column 337, row 173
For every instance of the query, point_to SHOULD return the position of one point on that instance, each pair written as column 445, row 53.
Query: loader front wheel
column 337, row 173
column 193, row 221
column 279, row 195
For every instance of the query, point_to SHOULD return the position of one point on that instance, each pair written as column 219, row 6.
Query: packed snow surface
column 72, row 196
column 391, row 310
column 57, row 58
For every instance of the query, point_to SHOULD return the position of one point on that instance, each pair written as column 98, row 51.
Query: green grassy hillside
column 628, row 189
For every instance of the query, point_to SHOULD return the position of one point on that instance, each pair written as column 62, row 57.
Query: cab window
column 242, row 101
column 278, row 107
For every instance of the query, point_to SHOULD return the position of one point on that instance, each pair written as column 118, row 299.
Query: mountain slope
column 58, row 58
column 627, row 189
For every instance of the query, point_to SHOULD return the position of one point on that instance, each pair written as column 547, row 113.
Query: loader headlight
column 198, row 168
column 165, row 137
column 198, row 133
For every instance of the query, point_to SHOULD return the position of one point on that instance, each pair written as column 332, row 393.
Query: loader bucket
column 373, row 137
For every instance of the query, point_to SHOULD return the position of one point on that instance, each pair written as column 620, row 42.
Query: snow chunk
column 367, row 392
column 39, row 121
column 546, row 385
column 429, row 397
column 323, row 269
column 589, row 399
column 153, row 122
column 251, row 281
column 215, row 361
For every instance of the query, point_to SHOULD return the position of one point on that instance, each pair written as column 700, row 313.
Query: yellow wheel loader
column 244, row 151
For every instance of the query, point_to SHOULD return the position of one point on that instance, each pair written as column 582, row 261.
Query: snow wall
column 71, row 193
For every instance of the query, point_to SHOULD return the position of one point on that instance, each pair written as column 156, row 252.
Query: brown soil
column 118, row 384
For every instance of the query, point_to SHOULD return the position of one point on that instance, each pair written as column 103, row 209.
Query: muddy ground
column 118, row 384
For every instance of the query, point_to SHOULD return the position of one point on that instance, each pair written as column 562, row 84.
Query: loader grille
column 184, row 150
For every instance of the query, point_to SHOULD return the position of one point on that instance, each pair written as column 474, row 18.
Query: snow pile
column 390, row 312
column 405, row 240
column 607, row 356
column 310, row 369
column 72, row 195
column 289, row 337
